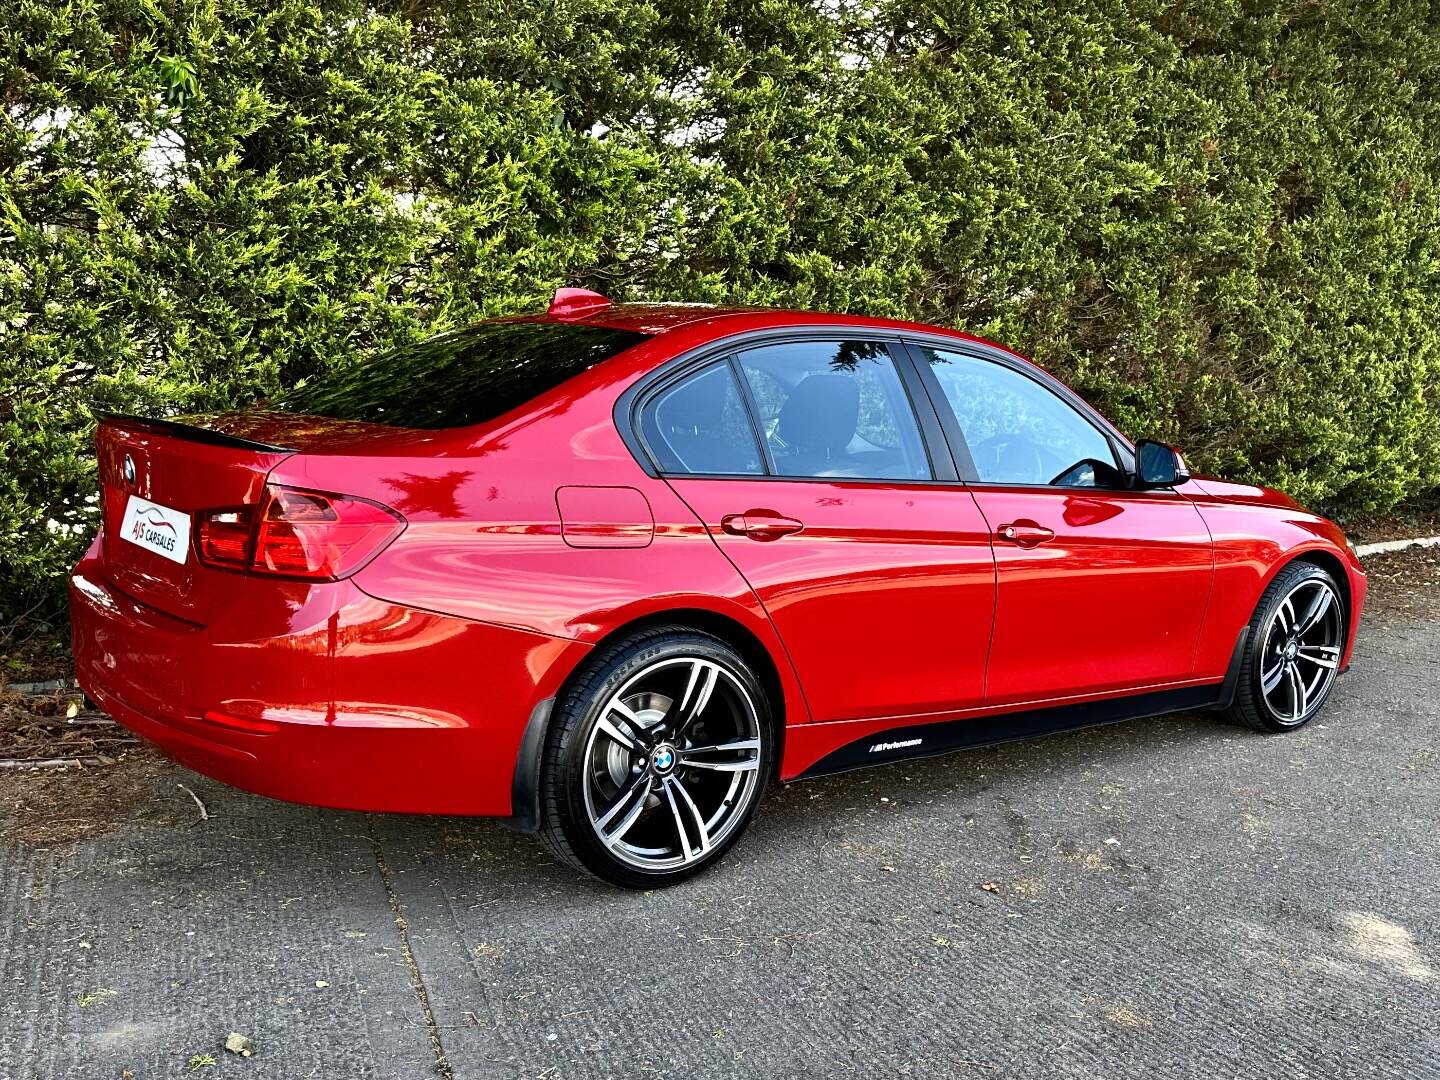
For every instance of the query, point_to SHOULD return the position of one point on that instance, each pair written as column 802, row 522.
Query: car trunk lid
column 182, row 466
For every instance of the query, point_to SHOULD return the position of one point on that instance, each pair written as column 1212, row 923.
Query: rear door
column 805, row 460
column 1099, row 587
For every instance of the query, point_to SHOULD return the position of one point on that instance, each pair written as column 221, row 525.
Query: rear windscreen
column 461, row 378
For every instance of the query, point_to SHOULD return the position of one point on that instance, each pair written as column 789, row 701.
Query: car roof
column 658, row 319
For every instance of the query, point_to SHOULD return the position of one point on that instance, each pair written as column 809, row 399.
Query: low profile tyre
column 655, row 759
column 1292, row 653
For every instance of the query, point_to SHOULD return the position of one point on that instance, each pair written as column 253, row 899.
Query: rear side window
column 466, row 377
column 835, row 409
column 699, row 425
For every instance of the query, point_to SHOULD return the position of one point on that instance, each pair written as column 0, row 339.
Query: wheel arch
column 1239, row 696
column 525, row 789
column 1326, row 560
column 1333, row 565
column 1316, row 555
column 729, row 630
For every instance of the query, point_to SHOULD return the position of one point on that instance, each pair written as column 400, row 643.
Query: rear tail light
column 225, row 537
column 298, row 534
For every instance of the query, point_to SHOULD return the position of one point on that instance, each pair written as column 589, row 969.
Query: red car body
column 421, row 680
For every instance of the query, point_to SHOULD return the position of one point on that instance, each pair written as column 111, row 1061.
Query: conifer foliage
column 1219, row 221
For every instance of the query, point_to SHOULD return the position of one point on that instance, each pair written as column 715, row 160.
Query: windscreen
column 465, row 377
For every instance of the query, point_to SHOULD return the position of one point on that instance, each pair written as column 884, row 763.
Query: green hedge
column 1218, row 220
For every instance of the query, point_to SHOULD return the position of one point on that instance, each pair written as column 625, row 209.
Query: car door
column 805, row 461
column 1100, row 587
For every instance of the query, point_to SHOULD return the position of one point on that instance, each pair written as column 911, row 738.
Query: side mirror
column 1158, row 465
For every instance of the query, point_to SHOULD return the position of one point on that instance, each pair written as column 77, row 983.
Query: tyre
column 1292, row 652
column 655, row 759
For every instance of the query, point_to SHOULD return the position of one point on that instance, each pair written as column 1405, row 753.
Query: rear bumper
column 337, row 700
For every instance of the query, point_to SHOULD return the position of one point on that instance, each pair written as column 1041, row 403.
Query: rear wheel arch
column 729, row 630
column 525, row 789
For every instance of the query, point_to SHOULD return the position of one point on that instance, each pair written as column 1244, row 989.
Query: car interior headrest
column 821, row 413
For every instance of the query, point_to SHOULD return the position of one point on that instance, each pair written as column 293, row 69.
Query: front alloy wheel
column 1296, row 640
column 656, row 759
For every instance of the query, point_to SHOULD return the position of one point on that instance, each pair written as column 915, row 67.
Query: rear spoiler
column 193, row 433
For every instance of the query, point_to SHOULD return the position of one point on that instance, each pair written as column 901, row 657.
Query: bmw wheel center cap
column 662, row 759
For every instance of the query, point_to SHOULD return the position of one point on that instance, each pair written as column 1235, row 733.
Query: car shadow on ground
column 803, row 816
column 146, row 790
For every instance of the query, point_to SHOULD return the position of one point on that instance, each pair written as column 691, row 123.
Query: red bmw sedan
column 608, row 571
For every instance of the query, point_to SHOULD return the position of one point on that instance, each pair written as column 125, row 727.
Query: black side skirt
column 929, row 740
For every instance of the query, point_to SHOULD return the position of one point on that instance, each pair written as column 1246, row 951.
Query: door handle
column 1025, row 533
column 761, row 525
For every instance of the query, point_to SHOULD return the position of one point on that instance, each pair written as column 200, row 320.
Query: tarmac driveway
column 1172, row 897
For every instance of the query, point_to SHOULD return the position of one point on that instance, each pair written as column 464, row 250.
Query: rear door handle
column 1025, row 533
column 761, row 525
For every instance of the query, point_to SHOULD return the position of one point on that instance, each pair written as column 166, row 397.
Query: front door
column 1110, row 598
column 1099, row 587
column 805, row 462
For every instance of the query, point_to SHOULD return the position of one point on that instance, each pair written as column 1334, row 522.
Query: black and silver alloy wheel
column 656, row 759
column 1296, row 640
column 672, row 763
column 1301, row 651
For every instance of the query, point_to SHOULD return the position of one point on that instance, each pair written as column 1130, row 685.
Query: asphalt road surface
column 1165, row 898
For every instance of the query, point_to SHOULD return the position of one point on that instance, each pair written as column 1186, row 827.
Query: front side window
column 1019, row 431
column 699, row 425
column 834, row 409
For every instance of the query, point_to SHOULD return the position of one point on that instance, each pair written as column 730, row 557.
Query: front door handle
column 761, row 525
column 1025, row 533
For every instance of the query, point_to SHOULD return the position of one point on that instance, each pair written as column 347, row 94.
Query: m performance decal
column 903, row 744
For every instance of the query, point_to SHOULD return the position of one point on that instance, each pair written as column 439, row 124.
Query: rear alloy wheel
column 655, row 759
column 1293, row 653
